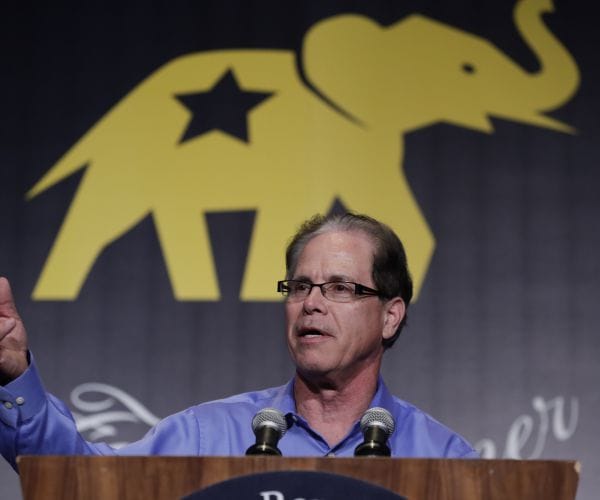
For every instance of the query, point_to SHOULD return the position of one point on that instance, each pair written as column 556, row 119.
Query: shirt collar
column 285, row 402
column 284, row 399
column 383, row 397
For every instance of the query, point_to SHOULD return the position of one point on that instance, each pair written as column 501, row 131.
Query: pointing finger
column 7, row 303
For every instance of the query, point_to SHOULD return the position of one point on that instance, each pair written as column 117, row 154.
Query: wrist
column 18, row 366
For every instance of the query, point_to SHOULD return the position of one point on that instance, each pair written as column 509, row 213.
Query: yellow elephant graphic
column 326, row 125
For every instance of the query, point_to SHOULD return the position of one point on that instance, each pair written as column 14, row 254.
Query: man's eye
column 340, row 287
column 301, row 287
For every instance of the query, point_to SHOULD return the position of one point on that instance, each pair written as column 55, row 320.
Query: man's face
column 332, row 339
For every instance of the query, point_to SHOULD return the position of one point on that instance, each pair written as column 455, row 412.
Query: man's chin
column 316, row 372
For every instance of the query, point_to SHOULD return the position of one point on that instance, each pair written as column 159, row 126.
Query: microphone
column 269, row 426
column 377, row 425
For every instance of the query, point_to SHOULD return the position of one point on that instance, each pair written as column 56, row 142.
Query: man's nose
column 315, row 300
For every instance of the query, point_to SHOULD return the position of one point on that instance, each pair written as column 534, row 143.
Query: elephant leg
column 394, row 205
column 183, row 237
column 266, row 256
column 89, row 227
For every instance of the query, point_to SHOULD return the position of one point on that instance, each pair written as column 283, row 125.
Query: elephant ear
column 340, row 58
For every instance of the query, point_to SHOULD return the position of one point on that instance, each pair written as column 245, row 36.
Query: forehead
column 337, row 254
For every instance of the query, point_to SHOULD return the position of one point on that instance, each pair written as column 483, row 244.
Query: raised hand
column 13, row 338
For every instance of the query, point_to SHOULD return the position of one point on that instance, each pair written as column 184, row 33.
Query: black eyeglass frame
column 359, row 290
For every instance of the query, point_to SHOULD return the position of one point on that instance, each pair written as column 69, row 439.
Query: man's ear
column 394, row 311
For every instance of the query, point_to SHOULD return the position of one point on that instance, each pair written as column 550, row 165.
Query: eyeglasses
column 336, row 291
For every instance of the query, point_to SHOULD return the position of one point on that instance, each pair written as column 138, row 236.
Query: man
column 347, row 290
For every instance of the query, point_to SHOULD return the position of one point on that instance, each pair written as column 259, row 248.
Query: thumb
column 7, row 303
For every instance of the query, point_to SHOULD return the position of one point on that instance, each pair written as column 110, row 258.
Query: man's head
column 389, row 270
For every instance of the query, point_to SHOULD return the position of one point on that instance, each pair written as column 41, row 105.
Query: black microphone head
column 378, row 417
column 270, row 417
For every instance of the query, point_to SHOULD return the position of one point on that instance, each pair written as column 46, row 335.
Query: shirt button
column 8, row 405
column 330, row 454
column 20, row 400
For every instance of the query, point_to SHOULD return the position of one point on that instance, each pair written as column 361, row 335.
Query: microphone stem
column 374, row 444
column 266, row 442
column 376, row 433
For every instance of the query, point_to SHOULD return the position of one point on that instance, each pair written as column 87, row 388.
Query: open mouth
column 310, row 333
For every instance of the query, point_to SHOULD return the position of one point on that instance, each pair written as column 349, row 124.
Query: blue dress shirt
column 34, row 422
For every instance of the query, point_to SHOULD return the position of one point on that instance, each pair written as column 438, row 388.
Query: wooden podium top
column 66, row 477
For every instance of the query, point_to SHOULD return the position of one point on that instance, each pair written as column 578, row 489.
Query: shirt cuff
column 22, row 398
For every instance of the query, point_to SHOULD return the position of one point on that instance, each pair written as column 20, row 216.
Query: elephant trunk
column 558, row 77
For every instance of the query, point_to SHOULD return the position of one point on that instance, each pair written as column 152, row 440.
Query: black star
column 224, row 107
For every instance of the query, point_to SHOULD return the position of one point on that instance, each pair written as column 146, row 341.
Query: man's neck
column 332, row 408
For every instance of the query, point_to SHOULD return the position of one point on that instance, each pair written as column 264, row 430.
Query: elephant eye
column 468, row 68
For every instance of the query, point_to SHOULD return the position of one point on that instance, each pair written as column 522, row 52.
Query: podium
column 132, row 478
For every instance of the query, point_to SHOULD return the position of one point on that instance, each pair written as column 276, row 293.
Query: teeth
column 310, row 333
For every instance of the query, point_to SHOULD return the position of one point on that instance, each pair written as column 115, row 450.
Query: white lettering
column 272, row 495
column 561, row 431
column 102, row 415
column 518, row 435
column 551, row 420
column 486, row 448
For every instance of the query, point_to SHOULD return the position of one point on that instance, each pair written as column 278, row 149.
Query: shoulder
column 222, row 427
column 238, row 410
column 247, row 401
column 418, row 434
